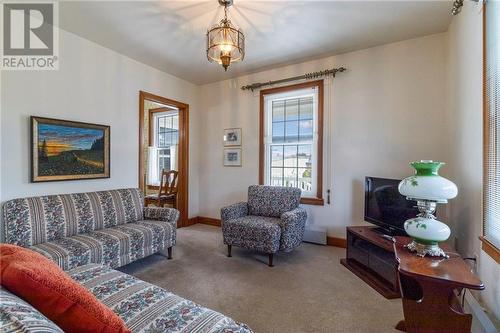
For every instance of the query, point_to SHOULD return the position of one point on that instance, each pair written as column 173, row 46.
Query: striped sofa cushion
column 35, row 220
column 148, row 308
column 17, row 316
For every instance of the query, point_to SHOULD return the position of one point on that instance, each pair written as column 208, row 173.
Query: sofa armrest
column 234, row 211
column 293, row 224
column 170, row 215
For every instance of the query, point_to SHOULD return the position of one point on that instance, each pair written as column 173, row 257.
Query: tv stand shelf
column 371, row 257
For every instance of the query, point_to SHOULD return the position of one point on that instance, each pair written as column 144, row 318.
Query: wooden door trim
column 183, row 196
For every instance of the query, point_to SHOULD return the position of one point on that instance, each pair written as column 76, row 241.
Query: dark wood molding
column 312, row 201
column 192, row 221
column 183, row 184
column 490, row 249
column 209, row 221
column 335, row 241
column 319, row 169
column 262, row 147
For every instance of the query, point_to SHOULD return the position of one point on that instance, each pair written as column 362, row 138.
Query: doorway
column 164, row 146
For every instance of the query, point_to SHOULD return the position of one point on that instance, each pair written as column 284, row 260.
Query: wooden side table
column 428, row 287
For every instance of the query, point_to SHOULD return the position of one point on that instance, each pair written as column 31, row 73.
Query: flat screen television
column 385, row 206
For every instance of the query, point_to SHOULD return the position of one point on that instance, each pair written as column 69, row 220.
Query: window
column 491, row 239
column 292, row 139
column 163, row 152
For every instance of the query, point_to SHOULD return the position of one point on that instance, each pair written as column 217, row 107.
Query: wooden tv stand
column 371, row 257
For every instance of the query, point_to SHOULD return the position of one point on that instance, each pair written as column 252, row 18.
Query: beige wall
column 388, row 109
column 96, row 85
column 466, row 143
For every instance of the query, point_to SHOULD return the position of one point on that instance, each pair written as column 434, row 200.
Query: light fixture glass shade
column 428, row 188
column 427, row 184
column 225, row 44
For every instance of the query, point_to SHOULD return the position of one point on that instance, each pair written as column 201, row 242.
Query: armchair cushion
column 257, row 233
column 272, row 201
column 234, row 211
column 292, row 225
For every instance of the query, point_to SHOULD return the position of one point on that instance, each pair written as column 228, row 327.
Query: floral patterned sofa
column 87, row 234
column 142, row 306
column 269, row 222
column 107, row 227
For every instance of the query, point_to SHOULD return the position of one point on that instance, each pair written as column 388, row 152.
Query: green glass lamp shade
column 428, row 188
column 427, row 184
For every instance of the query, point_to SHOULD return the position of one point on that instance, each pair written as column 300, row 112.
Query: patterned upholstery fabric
column 108, row 227
column 147, row 308
column 161, row 214
column 18, row 316
column 258, row 233
column 271, row 221
column 35, row 220
column 234, row 211
column 272, row 200
column 116, row 246
column 293, row 224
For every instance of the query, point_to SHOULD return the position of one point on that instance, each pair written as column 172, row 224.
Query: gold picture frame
column 68, row 150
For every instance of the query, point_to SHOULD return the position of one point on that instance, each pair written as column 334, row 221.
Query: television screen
column 385, row 206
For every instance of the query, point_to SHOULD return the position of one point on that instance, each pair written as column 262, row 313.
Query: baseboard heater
column 316, row 235
column 480, row 320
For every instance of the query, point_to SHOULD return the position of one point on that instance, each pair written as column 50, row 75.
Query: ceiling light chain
column 225, row 42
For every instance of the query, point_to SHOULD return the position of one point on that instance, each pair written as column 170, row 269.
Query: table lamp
column 428, row 188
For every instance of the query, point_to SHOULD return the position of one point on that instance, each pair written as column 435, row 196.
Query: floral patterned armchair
column 269, row 222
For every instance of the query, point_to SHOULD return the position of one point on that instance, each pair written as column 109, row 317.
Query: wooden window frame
column 183, row 182
column 319, row 84
column 151, row 134
column 486, row 246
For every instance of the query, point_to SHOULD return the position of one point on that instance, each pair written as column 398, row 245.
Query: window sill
column 312, row 201
column 490, row 249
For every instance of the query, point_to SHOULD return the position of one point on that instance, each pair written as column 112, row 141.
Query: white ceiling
column 170, row 35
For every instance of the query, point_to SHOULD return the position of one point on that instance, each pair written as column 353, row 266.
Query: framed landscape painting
column 68, row 150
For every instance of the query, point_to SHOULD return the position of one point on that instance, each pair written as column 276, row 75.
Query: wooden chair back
column 168, row 183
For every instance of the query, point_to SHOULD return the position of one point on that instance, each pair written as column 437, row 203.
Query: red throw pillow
column 51, row 291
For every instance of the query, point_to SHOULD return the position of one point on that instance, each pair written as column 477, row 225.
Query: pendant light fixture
column 225, row 42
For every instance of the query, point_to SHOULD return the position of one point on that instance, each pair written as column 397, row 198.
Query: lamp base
column 422, row 250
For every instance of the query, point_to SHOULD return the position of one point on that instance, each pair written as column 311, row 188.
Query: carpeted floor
column 306, row 291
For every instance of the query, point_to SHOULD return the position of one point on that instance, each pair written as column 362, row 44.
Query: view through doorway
column 163, row 152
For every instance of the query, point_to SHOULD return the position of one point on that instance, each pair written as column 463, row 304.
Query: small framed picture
column 232, row 156
column 232, row 137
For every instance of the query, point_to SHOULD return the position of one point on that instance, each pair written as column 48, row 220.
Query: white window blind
column 492, row 124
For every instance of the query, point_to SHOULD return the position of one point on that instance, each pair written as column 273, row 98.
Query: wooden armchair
column 167, row 193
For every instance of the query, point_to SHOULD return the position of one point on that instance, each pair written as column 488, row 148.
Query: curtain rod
column 308, row 76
